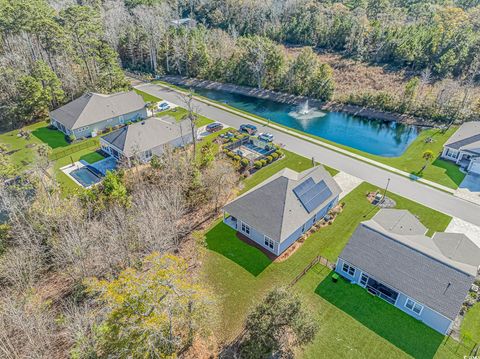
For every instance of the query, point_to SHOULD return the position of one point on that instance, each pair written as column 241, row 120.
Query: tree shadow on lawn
column 52, row 137
column 223, row 240
column 389, row 322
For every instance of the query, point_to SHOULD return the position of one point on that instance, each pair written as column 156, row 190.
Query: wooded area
column 53, row 51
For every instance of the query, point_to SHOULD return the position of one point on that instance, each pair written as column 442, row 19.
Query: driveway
column 469, row 189
column 421, row 193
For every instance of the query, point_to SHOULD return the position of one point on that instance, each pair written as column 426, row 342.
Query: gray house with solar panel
column 426, row 277
column 278, row 211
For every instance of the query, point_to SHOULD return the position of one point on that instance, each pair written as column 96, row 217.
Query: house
column 93, row 112
column 426, row 277
column 278, row 211
column 185, row 22
column 142, row 140
column 463, row 147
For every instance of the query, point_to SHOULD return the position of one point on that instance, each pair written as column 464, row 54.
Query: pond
column 388, row 139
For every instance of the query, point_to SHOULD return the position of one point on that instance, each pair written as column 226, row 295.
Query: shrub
column 230, row 154
column 244, row 162
column 275, row 156
column 237, row 158
column 72, row 138
column 257, row 164
column 269, row 159
column 263, row 162
column 129, row 123
column 279, row 153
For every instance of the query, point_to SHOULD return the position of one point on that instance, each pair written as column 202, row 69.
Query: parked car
column 214, row 127
column 247, row 128
column 163, row 106
column 267, row 137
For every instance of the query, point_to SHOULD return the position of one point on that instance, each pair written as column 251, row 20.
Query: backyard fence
column 73, row 148
column 318, row 259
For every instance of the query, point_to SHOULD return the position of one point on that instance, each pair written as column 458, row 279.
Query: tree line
column 52, row 52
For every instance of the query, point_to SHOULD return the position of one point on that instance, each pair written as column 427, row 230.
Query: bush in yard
column 72, row 138
column 244, row 162
column 279, row 153
column 274, row 156
column 264, row 162
column 237, row 158
column 230, row 154
column 269, row 159
column 257, row 164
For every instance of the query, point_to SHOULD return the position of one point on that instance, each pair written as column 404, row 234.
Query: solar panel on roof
column 304, row 187
column 312, row 194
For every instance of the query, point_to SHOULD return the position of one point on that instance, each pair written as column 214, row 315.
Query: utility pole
column 386, row 188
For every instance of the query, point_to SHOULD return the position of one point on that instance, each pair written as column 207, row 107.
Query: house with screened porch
column 428, row 278
column 278, row 211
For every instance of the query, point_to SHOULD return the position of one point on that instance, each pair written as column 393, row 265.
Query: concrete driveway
column 469, row 189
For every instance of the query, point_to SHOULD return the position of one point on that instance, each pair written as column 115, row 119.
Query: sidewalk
column 321, row 143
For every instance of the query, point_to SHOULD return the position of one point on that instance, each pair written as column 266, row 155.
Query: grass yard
column 354, row 324
column 51, row 136
column 290, row 160
column 22, row 152
column 147, row 97
column 471, row 324
column 93, row 157
column 241, row 274
column 178, row 113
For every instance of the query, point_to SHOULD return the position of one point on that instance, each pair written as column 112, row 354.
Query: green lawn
column 290, row 160
column 51, row 136
column 471, row 324
column 92, row 157
column 178, row 113
column 240, row 279
column 147, row 97
column 354, row 324
column 411, row 161
column 22, row 152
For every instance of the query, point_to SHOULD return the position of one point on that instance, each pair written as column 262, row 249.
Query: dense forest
column 53, row 51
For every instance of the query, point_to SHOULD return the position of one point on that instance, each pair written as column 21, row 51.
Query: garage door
column 475, row 167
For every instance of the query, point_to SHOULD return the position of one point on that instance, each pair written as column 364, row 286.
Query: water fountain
column 304, row 112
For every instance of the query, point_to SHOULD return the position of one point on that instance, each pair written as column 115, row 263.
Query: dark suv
column 250, row 129
column 214, row 127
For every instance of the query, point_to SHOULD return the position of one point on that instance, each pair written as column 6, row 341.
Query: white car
column 267, row 137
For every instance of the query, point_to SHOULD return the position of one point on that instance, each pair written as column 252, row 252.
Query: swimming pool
column 86, row 176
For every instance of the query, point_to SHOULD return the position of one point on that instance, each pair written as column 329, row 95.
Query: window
column 268, row 242
column 364, row 280
column 414, row 306
column 348, row 269
column 148, row 154
column 245, row 228
column 303, row 228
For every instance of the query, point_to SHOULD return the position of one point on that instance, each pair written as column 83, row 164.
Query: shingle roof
column 146, row 135
column 93, row 107
column 272, row 206
column 467, row 137
column 413, row 265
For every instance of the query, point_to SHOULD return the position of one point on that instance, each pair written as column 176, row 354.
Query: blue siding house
column 278, row 211
column 426, row 277
column 92, row 113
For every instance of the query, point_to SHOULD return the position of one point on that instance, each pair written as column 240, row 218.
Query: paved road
column 403, row 186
